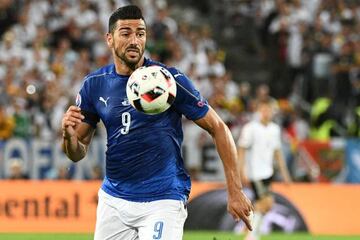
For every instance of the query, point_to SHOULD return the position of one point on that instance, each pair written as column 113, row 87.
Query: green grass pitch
column 187, row 236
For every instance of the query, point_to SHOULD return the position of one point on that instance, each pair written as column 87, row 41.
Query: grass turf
column 187, row 236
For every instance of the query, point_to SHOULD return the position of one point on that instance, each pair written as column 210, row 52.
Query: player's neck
column 265, row 122
column 123, row 69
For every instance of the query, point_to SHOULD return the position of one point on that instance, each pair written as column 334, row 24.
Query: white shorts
column 118, row 219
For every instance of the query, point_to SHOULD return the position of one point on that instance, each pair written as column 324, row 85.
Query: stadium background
column 303, row 55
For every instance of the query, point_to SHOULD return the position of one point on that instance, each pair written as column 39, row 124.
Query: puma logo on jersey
column 101, row 99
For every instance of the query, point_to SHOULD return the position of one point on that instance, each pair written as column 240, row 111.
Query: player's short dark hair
column 126, row 12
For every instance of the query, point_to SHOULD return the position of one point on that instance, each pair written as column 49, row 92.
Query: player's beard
column 131, row 63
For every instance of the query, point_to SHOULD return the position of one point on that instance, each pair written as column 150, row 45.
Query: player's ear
column 109, row 40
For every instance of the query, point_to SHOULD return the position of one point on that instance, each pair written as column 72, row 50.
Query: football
column 151, row 90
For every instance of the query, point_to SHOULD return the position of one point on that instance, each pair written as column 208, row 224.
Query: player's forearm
column 241, row 159
column 285, row 172
column 282, row 166
column 73, row 148
column 227, row 151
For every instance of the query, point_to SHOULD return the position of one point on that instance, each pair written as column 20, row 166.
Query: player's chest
column 265, row 137
column 114, row 109
column 110, row 100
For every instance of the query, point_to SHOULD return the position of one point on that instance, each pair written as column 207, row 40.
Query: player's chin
column 133, row 59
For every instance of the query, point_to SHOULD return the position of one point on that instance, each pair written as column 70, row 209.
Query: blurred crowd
column 48, row 46
column 313, row 51
column 312, row 48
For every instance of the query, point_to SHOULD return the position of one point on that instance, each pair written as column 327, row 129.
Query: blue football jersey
column 143, row 157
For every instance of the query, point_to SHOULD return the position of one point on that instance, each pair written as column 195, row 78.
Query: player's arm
column 282, row 165
column 241, row 158
column 244, row 143
column 238, row 204
column 77, row 135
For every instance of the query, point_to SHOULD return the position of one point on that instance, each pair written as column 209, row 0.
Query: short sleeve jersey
column 261, row 141
column 143, row 157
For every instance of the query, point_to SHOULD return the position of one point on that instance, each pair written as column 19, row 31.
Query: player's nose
column 133, row 39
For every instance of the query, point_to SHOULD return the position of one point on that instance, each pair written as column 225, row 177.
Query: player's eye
column 124, row 34
column 141, row 34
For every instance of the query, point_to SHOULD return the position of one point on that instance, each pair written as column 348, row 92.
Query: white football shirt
column 260, row 141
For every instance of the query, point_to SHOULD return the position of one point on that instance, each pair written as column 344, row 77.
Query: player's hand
column 71, row 118
column 239, row 206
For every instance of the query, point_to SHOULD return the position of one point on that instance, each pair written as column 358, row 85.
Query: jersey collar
column 146, row 62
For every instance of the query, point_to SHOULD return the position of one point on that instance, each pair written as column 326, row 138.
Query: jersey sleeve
column 85, row 103
column 189, row 101
column 245, row 139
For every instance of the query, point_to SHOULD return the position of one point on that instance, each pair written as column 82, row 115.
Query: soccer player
column 258, row 146
column 146, row 186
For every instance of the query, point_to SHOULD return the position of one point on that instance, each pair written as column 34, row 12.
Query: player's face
column 128, row 40
column 266, row 112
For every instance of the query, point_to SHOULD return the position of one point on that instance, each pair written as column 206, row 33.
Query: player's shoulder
column 102, row 72
column 149, row 62
column 253, row 123
column 275, row 126
column 249, row 126
column 177, row 74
